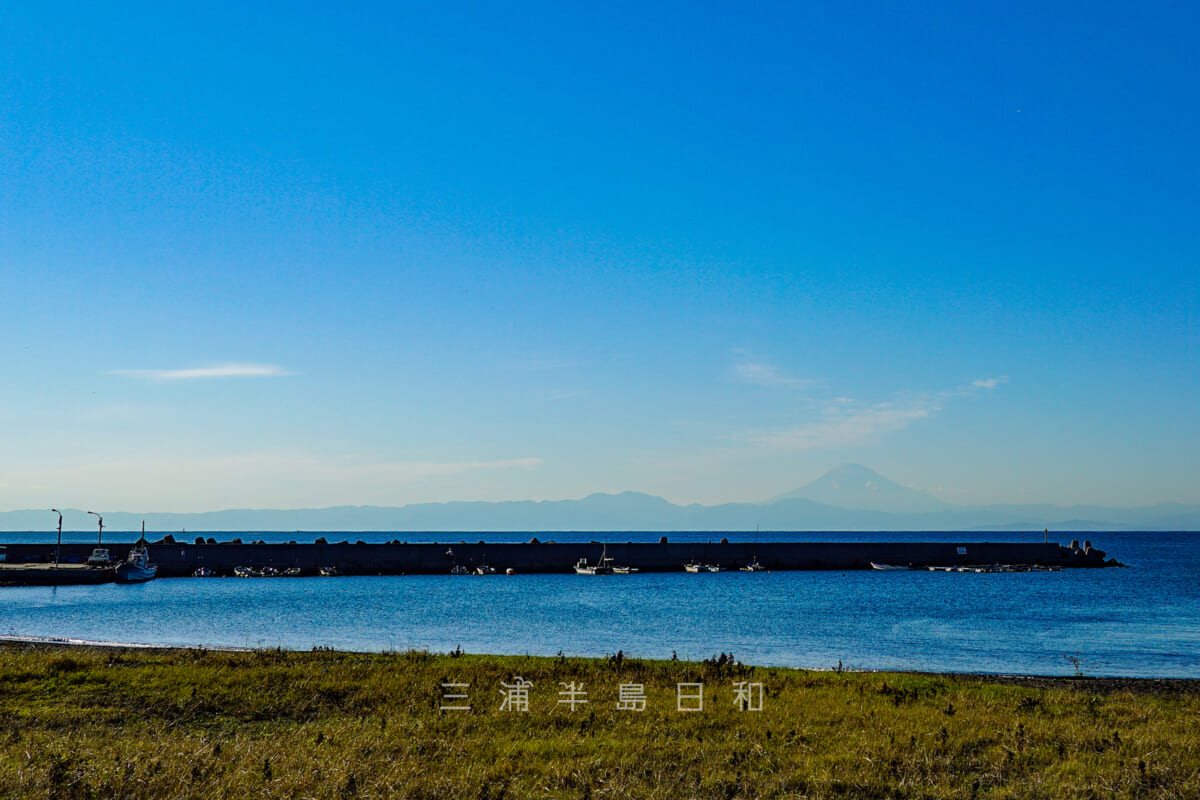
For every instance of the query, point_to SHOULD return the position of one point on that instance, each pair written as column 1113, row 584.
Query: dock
column 48, row 574
column 27, row 563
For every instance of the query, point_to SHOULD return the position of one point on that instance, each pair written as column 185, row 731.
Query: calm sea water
column 1143, row 621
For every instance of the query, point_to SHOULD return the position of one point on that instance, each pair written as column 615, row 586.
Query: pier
column 28, row 563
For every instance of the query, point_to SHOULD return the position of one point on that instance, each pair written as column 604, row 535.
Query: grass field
column 111, row 723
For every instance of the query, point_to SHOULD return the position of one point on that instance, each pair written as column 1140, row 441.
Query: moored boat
column 137, row 567
column 602, row 567
column 203, row 572
column 890, row 567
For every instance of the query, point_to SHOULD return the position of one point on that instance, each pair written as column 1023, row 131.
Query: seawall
column 401, row 558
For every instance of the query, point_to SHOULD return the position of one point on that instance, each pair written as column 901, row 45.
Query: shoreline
column 1099, row 683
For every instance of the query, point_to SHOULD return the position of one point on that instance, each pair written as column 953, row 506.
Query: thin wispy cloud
column 850, row 424
column 758, row 372
column 205, row 373
column 844, row 422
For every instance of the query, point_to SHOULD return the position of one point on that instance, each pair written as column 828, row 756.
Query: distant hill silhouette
column 849, row 498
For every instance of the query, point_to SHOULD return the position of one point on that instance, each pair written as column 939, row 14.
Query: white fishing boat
column 693, row 567
column 137, row 567
column 890, row 567
column 754, row 566
column 602, row 567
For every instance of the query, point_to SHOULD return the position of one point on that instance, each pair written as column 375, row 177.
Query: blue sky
column 289, row 256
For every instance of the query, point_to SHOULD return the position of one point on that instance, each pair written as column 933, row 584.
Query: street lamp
column 101, row 535
column 58, row 547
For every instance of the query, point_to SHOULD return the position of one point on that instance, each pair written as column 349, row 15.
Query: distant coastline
column 851, row 498
column 630, row 512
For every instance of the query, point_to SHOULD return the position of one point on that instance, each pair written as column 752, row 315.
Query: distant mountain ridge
column 871, row 503
column 854, row 486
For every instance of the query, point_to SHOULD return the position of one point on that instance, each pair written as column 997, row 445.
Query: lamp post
column 58, row 547
column 101, row 534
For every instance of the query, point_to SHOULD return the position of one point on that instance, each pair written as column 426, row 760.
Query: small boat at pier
column 137, row 567
column 602, row 567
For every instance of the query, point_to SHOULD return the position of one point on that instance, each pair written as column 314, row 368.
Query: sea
column 1139, row 621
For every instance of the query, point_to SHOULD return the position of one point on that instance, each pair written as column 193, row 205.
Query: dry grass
column 101, row 723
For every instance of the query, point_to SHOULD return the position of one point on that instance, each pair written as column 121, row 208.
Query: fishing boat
column 203, row 572
column 485, row 569
column 292, row 572
column 754, row 566
column 693, row 567
column 329, row 571
column 582, row 567
column 245, row 572
column 889, row 567
column 625, row 570
column 137, row 567
column 714, row 568
column 269, row 572
column 459, row 569
column 602, row 567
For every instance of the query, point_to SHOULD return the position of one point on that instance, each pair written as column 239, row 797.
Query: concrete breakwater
column 177, row 558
